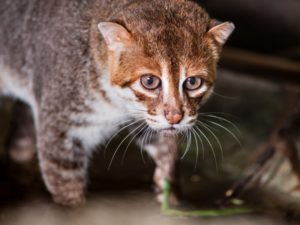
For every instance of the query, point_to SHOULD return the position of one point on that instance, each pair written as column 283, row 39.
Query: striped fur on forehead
column 168, row 28
column 170, row 83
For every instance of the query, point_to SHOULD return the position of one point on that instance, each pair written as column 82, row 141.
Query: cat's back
column 34, row 33
column 46, row 42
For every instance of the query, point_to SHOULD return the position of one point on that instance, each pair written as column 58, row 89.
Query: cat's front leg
column 164, row 151
column 62, row 159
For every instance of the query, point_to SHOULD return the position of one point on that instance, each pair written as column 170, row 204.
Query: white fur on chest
column 100, row 125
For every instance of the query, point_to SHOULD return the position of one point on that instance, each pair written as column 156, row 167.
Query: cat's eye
column 192, row 83
column 150, row 82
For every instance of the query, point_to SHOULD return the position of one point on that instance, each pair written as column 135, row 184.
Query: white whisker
column 142, row 144
column 202, row 145
column 226, row 120
column 197, row 149
column 226, row 129
column 123, row 128
column 210, row 145
column 215, row 137
column 115, row 152
column 131, row 140
column 187, row 144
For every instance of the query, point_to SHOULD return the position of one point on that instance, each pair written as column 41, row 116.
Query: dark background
column 266, row 26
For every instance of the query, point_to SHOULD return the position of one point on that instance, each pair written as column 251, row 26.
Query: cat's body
column 78, row 73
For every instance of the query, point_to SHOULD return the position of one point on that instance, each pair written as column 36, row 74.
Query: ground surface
column 130, row 208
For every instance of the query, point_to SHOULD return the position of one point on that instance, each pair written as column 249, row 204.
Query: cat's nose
column 173, row 117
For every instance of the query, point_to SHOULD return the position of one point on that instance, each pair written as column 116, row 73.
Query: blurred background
column 253, row 112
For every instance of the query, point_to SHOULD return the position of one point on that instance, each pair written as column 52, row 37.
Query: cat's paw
column 70, row 199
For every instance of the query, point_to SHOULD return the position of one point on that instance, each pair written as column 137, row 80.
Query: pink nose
column 173, row 117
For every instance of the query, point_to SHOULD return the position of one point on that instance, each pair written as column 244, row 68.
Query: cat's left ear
column 221, row 31
column 115, row 35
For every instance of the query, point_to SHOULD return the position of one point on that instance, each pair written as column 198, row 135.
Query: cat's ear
column 115, row 35
column 221, row 31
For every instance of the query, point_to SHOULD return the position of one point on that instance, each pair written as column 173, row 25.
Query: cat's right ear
column 115, row 35
column 221, row 31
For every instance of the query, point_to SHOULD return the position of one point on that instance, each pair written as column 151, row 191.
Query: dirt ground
column 130, row 208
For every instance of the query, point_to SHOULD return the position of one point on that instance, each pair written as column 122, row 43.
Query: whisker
column 181, row 137
column 138, row 110
column 123, row 128
column 218, row 113
column 120, row 123
column 142, row 145
column 185, row 138
column 226, row 120
column 115, row 152
column 223, row 96
column 202, row 145
column 131, row 140
column 149, row 138
column 226, row 129
column 215, row 137
column 187, row 144
column 190, row 140
column 208, row 125
column 197, row 149
column 210, row 145
column 149, row 141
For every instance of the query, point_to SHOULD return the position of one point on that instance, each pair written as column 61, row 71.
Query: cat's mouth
column 167, row 128
column 169, row 131
column 170, row 128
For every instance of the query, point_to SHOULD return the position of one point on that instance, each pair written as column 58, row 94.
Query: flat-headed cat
column 88, row 66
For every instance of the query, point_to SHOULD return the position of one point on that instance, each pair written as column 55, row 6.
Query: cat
column 86, row 67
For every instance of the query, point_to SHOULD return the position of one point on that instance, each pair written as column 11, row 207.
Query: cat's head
column 162, row 58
